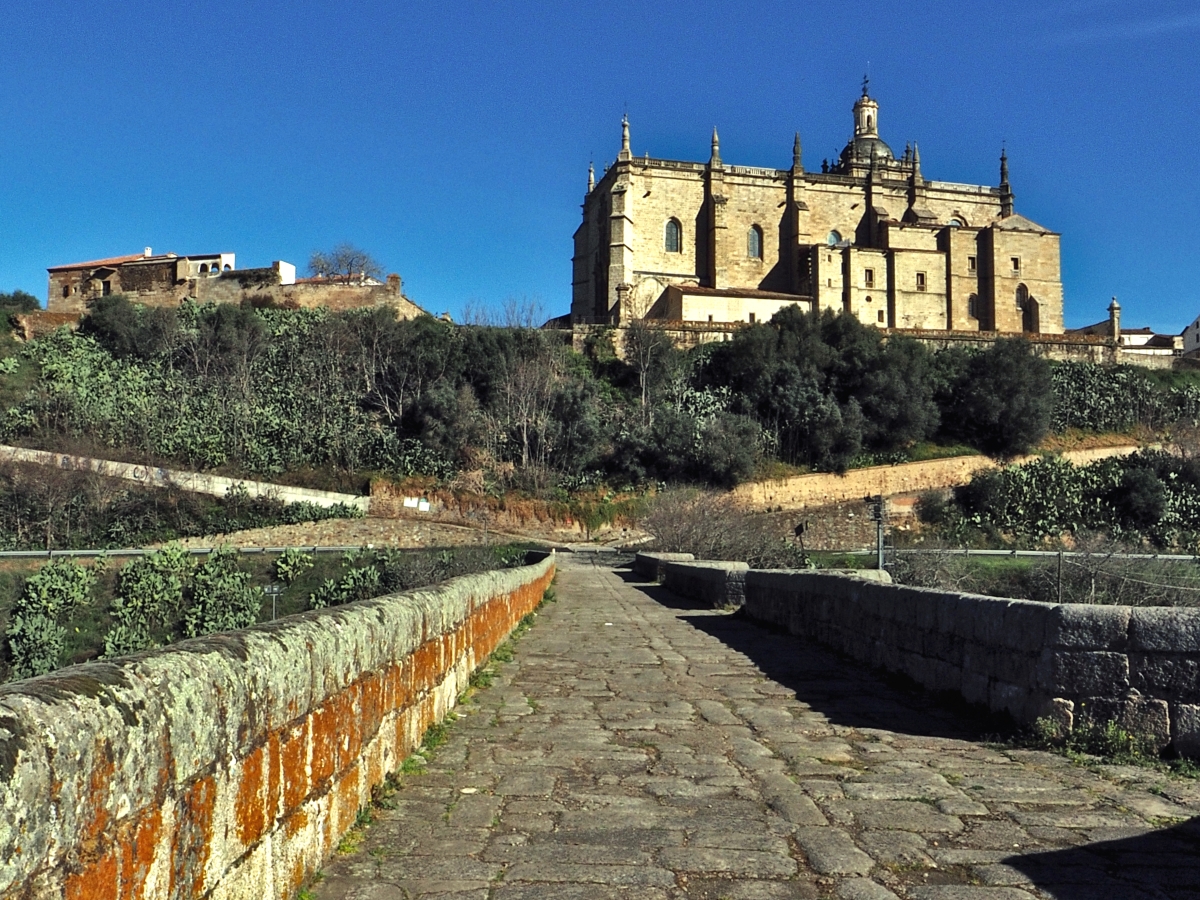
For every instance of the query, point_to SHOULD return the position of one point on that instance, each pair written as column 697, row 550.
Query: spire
column 916, row 163
column 796, row 154
column 716, row 149
column 591, row 177
column 1006, row 194
column 624, row 154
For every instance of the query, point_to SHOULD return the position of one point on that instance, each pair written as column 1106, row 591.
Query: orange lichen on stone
column 249, row 807
column 137, row 844
column 293, row 766
column 97, row 881
column 372, row 702
column 193, row 838
column 345, row 802
column 325, row 732
column 95, row 826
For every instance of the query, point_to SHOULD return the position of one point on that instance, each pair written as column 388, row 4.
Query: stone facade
column 169, row 280
column 711, row 242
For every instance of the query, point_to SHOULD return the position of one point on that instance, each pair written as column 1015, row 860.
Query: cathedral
column 869, row 234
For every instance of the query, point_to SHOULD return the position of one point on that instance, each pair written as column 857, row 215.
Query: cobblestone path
column 635, row 749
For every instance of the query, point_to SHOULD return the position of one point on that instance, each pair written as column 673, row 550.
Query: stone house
column 168, row 279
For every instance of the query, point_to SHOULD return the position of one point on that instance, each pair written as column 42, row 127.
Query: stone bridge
column 636, row 747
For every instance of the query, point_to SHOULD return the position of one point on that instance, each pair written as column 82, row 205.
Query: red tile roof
column 111, row 261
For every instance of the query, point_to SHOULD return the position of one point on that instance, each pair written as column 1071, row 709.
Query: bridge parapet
column 654, row 565
column 1071, row 663
column 229, row 766
column 716, row 584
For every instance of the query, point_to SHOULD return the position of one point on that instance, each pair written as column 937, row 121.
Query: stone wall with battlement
column 229, row 766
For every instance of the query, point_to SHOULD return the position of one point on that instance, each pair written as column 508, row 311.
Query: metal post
column 879, row 536
column 1060, row 561
column 877, row 504
column 274, row 590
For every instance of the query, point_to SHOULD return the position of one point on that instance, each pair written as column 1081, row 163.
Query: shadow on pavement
column 1155, row 864
column 1162, row 864
column 846, row 692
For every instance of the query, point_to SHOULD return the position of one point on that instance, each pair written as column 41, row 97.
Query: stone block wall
column 1073, row 663
column 229, row 766
column 823, row 488
column 715, row 584
column 654, row 565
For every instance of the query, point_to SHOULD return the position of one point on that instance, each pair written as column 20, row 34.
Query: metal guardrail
column 1050, row 554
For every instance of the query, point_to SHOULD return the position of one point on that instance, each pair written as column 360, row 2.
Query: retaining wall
column 802, row 491
column 715, row 584
column 229, row 766
column 196, row 482
column 1070, row 662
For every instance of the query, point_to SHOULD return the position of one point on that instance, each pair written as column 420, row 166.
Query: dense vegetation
column 1151, row 498
column 52, row 509
column 272, row 391
column 170, row 594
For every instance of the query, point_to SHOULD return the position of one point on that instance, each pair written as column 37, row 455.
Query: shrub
column 291, row 564
column 222, row 596
column 150, row 594
column 711, row 526
column 36, row 636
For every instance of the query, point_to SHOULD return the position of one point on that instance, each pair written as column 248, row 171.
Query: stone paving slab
column 637, row 748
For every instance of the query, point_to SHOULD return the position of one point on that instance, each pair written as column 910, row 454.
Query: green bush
column 291, row 564
column 36, row 636
column 149, row 597
column 222, row 596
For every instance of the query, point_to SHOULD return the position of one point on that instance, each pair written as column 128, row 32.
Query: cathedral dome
column 863, row 147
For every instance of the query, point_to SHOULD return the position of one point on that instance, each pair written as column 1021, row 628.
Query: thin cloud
column 1135, row 29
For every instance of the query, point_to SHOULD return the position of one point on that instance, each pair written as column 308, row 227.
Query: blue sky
column 452, row 140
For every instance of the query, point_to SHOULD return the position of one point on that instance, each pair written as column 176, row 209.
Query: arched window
column 673, row 236
column 835, row 238
column 203, row 268
column 956, row 223
column 973, row 306
column 870, row 122
column 1022, row 296
column 754, row 242
column 228, row 267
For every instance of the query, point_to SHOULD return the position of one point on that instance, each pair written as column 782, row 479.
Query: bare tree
column 345, row 263
column 645, row 347
column 514, row 312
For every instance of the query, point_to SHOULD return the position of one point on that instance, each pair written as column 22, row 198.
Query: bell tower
column 866, row 114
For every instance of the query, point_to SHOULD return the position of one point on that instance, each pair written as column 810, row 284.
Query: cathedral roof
column 864, row 147
column 1017, row 222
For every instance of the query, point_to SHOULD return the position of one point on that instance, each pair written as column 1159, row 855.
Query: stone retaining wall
column 822, row 489
column 715, row 584
column 229, row 766
column 196, row 482
column 654, row 565
column 1073, row 663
